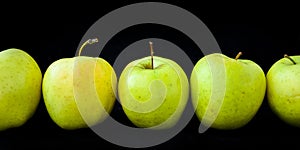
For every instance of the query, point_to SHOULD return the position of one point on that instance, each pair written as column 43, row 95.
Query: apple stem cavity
column 238, row 55
column 151, row 52
column 89, row 41
column 288, row 57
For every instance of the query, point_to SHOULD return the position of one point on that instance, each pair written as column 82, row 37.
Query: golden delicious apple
column 20, row 87
column 153, row 92
column 245, row 86
column 65, row 105
column 283, row 89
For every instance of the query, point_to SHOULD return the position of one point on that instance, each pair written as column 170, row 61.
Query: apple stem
column 288, row 57
column 238, row 55
column 151, row 52
column 89, row 41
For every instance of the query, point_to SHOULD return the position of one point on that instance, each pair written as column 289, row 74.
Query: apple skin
column 245, row 87
column 153, row 98
column 20, row 84
column 283, row 90
column 59, row 94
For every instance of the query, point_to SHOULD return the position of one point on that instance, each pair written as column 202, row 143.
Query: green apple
column 234, row 103
column 153, row 92
column 20, row 84
column 70, row 86
column 283, row 89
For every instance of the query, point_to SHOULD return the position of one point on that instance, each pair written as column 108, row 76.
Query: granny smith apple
column 283, row 89
column 67, row 92
column 153, row 92
column 240, row 97
column 20, row 87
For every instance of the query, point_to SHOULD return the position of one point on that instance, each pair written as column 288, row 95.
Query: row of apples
column 81, row 91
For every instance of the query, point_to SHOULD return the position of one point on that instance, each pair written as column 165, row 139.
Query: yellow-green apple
column 153, row 92
column 20, row 87
column 283, row 89
column 70, row 86
column 233, row 104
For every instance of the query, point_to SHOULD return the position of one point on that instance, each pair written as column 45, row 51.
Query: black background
column 49, row 31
